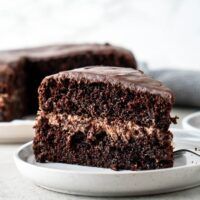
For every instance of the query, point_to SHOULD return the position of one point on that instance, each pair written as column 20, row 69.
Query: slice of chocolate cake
column 21, row 71
column 105, row 117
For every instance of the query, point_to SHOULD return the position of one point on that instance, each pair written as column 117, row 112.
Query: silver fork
column 179, row 152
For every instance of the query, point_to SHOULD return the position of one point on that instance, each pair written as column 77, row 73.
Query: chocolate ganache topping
column 126, row 77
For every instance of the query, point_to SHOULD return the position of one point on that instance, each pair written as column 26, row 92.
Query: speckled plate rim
column 92, row 181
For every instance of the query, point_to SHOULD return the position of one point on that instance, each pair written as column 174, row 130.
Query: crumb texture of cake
column 105, row 117
column 12, row 92
column 21, row 71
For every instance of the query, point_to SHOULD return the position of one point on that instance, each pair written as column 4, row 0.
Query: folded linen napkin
column 184, row 83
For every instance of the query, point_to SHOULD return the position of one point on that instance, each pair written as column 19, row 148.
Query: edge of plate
column 187, row 125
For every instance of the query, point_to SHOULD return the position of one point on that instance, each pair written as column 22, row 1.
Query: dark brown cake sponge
column 110, row 92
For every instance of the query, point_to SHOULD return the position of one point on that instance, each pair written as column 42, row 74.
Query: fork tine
column 186, row 150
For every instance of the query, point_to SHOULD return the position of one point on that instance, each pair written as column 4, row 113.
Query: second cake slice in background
column 22, row 70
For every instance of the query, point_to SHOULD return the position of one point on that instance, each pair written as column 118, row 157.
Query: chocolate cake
column 107, row 117
column 21, row 71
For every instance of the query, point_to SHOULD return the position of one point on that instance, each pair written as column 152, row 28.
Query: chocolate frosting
column 126, row 77
column 55, row 51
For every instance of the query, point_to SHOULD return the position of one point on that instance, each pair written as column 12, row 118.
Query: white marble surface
column 161, row 33
column 14, row 187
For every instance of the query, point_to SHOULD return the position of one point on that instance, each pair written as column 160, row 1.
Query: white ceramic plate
column 92, row 181
column 192, row 122
column 16, row 131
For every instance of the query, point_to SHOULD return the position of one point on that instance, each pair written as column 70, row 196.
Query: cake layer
column 108, row 92
column 96, row 142
column 25, row 68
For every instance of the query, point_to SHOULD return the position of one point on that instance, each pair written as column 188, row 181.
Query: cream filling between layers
column 2, row 99
column 14, row 97
column 116, row 129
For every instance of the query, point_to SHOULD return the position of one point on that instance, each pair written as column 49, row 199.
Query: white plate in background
column 17, row 131
column 192, row 122
column 92, row 181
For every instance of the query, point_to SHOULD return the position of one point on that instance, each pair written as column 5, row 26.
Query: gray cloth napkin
column 184, row 84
